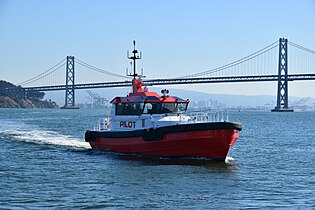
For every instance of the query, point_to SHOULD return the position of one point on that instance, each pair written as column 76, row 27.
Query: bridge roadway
column 257, row 78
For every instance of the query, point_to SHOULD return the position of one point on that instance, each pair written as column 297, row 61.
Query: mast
column 134, row 57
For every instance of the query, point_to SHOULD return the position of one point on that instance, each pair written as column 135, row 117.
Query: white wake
column 47, row 137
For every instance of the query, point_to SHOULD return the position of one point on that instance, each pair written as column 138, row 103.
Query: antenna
column 134, row 57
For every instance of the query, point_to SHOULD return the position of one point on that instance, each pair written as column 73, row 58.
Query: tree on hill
column 20, row 93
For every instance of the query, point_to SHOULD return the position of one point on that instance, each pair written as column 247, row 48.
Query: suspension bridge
column 271, row 63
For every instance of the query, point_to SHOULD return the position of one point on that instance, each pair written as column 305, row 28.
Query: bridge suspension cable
column 45, row 73
column 98, row 69
column 234, row 63
column 301, row 47
column 302, row 59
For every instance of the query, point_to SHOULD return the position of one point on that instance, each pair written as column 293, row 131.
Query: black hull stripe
column 158, row 133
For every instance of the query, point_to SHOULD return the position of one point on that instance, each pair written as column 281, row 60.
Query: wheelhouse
column 149, row 105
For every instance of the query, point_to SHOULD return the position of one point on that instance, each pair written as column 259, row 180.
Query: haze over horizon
column 194, row 96
column 176, row 37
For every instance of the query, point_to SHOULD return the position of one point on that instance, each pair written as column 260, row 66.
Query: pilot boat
column 149, row 124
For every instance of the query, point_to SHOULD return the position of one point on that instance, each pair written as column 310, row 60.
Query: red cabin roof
column 152, row 97
column 139, row 95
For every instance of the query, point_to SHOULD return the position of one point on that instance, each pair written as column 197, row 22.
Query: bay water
column 45, row 164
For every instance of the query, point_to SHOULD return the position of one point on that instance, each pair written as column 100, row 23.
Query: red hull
column 213, row 144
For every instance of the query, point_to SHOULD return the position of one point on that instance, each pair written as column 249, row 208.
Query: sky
column 176, row 37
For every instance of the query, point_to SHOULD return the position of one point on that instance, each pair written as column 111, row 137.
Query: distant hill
column 21, row 99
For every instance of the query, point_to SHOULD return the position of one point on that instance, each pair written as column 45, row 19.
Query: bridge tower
column 282, row 94
column 70, row 96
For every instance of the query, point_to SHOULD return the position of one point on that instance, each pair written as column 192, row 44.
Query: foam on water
column 28, row 133
column 229, row 160
column 50, row 137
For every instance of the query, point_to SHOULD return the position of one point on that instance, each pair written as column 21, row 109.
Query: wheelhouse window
column 164, row 108
column 129, row 108
column 168, row 108
column 150, row 108
column 181, row 107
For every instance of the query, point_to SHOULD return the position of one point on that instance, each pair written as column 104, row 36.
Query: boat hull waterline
column 206, row 140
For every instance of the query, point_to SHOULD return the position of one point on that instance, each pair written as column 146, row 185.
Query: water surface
column 45, row 163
